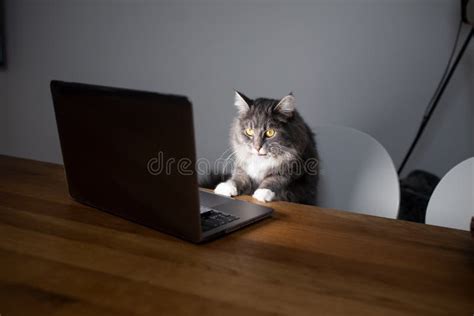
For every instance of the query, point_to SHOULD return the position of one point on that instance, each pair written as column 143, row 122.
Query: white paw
column 264, row 195
column 226, row 188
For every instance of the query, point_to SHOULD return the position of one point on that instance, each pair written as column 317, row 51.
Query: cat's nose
column 261, row 151
column 257, row 149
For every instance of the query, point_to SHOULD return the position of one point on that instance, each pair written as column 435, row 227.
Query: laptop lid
column 130, row 153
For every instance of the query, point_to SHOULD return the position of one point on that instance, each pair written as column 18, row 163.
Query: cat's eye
column 249, row 132
column 270, row 133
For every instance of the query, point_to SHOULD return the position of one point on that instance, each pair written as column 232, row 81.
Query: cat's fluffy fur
column 271, row 168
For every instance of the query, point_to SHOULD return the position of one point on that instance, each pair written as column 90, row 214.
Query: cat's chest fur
column 257, row 168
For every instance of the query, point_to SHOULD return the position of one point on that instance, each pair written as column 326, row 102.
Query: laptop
column 132, row 154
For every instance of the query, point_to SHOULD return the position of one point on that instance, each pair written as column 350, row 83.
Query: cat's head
column 265, row 128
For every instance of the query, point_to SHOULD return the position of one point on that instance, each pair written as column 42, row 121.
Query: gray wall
column 371, row 65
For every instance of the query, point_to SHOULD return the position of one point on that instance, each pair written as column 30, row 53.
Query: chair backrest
column 452, row 202
column 356, row 173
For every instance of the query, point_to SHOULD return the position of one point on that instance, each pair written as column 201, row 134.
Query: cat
column 272, row 146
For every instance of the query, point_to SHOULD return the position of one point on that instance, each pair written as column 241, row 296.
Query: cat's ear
column 241, row 102
column 287, row 105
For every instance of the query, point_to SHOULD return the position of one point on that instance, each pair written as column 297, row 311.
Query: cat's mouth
column 263, row 155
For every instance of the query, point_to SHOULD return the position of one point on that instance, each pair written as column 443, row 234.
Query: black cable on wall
column 448, row 73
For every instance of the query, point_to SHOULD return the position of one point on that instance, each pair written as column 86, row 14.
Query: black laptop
column 132, row 154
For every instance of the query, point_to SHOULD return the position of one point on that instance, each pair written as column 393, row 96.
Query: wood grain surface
column 58, row 257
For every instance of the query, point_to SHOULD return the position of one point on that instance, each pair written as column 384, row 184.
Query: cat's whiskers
column 230, row 155
column 229, row 159
column 224, row 153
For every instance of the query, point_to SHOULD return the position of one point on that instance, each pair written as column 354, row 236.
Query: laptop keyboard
column 211, row 219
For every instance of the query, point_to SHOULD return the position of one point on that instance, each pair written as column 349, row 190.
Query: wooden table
column 58, row 257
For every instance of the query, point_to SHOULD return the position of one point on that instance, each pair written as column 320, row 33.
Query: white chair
column 452, row 203
column 356, row 173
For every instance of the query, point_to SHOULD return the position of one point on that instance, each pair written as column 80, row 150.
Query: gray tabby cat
column 272, row 146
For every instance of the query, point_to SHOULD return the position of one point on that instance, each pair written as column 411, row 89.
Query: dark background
column 2, row 35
